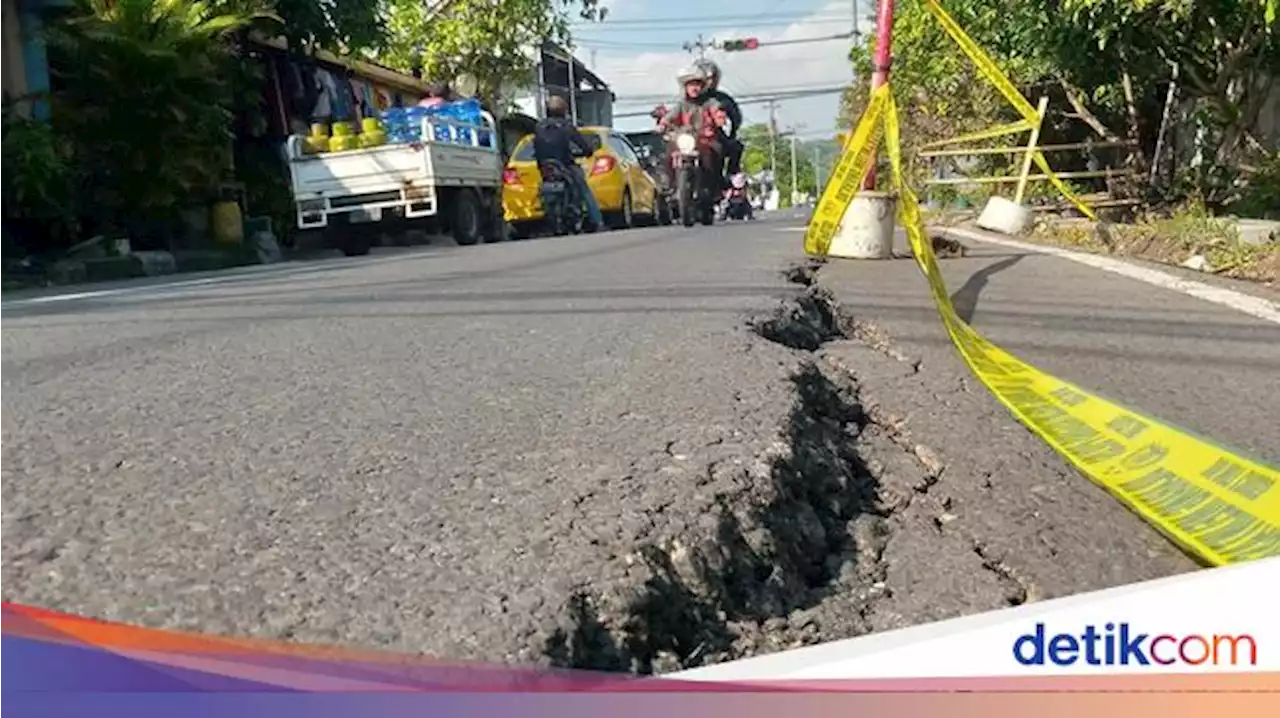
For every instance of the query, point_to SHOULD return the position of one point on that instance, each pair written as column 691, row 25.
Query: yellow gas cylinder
column 318, row 140
column 371, row 134
column 344, row 137
column 227, row 223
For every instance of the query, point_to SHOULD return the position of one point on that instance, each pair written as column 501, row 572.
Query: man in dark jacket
column 732, row 145
column 555, row 138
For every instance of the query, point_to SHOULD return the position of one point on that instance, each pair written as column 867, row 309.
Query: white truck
column 350, row 197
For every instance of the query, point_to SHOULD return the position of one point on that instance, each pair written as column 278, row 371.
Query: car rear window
column 524, row 152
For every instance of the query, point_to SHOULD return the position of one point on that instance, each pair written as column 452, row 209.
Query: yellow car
column 615, row 174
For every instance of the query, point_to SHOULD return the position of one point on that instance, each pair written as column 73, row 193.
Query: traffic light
column 749, row 43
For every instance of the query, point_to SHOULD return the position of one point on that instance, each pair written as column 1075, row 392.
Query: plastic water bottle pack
column 405, row 124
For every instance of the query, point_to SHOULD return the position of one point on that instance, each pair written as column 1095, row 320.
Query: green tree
column 756, row 153
column 145, row 95
column 1110, row 61
column 489, row 40
column 336, row 25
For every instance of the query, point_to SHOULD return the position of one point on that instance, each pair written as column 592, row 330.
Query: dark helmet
column 712, row 72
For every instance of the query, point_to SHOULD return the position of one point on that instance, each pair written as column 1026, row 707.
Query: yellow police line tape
column 1219, row 507
column 997, row 131
column 992, row 72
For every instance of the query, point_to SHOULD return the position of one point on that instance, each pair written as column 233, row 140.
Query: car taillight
column 602, row 165
column 510, row 176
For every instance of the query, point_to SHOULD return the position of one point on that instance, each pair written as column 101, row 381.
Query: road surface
column 630, row 451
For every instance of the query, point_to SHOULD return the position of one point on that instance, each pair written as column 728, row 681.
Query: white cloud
column 640, row 79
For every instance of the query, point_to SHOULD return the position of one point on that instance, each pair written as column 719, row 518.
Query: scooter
column 560, row 201
column 736, row 205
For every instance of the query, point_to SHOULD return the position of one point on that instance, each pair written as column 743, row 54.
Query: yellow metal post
column 1031, row 149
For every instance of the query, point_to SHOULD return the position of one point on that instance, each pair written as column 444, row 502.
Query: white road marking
column 1253, row 306
column 118, row 292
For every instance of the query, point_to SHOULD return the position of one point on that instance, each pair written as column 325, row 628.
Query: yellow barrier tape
column 997, row 131
column 1217, row 506
column 847, row 175
column 992, row 72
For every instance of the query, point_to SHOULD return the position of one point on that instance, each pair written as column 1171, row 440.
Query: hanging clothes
column 323, row 109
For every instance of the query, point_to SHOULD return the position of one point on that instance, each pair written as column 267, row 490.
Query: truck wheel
column 355, row 244
column 496, row 224
column 466, row 220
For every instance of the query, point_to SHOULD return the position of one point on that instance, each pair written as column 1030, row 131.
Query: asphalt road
column 578, row 451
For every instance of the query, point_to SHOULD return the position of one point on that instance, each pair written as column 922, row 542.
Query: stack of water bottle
column 404, row 124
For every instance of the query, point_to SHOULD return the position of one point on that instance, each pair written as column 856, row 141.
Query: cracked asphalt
column 474, row 452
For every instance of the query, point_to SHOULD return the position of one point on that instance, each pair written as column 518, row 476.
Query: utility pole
column 794, row 178
column 700, row 46
column 882, row 60
column 773, row 140
column 817, row 172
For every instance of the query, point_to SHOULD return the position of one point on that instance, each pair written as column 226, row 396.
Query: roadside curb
column 1254, row 306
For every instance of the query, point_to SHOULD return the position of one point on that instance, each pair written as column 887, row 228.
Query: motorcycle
column 560, row 201
column 697, row 182
column 736, row 205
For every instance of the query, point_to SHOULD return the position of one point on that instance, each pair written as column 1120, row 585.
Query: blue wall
column 34, row 57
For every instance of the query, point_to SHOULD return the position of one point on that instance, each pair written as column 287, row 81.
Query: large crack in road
column 790, row 551
column 847, row 526
column 663, row 467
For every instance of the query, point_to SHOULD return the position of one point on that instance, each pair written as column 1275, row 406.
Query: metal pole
column 883, row 57
column 541, row 110
column 794, row 178
column 817, row 174
column 573, row 92
column 1031, row 150
column 1164, row 124
column 773, row 142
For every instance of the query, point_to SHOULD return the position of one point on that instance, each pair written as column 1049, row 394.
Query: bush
column 145, row 92
column 38, row 184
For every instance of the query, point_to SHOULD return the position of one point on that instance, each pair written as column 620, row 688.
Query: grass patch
column 1172, row 238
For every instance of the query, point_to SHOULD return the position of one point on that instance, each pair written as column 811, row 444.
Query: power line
column 699, row 20
column 762, row 95
column 836, row 20
column 781, row 96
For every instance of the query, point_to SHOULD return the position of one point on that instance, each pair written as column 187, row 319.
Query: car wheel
column 625, row 218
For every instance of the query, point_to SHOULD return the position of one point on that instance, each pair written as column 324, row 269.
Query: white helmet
column 692, row 73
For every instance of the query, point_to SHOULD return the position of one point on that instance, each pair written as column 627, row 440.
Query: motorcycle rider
column 733, row 147
column 693, row 109
column 737, row 196
column 554, row 140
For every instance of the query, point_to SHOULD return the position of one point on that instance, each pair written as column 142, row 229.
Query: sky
column 638, row 50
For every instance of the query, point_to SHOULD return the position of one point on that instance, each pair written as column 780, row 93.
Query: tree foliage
column 490, row 40
column 335, row 25
column 145, row 91
column 757, row 156
column 1106, row 65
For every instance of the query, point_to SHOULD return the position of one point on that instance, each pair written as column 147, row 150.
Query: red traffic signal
column 750, row 43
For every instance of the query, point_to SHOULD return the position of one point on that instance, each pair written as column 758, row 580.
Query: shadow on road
column 965, row 299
